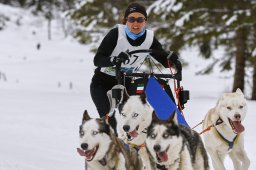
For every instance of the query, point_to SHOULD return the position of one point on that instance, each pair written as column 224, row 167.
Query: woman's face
column 138, row 25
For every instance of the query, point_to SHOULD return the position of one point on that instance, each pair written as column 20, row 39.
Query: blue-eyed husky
column 133, row 115
column 173, row 146
column 101, row 148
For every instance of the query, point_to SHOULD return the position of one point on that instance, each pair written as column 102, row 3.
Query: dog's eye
column 81, row 133
column 229, row 108
column 94, row 132
column 123, row 114
column 165, row 135
column 152, row 136
column 240, row 107
column 135, row 115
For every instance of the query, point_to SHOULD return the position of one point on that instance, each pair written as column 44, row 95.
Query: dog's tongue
column 80, row 151
column 238, row 127
column 134, row 133
column 162, row 156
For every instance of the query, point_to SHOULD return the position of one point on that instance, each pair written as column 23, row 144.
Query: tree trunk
column 49, row 29
column 240, row 43
column 254, row 80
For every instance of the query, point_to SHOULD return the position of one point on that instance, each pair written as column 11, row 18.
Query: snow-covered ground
column 46, row 91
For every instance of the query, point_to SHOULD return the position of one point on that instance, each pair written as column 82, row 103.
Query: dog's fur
column 101, row 148
column 172, row 146
column 231, row 109
column 133, row 116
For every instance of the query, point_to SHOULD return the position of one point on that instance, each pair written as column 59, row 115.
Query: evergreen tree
column 94, row 18
column 208, row 24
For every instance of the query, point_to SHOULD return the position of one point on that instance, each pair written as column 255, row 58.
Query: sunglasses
column 133, row 19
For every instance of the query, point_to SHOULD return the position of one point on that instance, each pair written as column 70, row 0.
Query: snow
column 46, row 91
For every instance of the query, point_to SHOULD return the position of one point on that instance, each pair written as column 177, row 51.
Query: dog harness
column 136, row 147
column 230, row 143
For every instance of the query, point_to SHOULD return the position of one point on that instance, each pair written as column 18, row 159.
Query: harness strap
column 107, row 118
column 230, row 143
column 181, row 161
column 218, row 122
column 136, row 147
column 116, row 166
column 198, row 124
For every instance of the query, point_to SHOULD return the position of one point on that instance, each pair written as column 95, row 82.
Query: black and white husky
column 133, row 116
column 101, row 148
column 172, row 146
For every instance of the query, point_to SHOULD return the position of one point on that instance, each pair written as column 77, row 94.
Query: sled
column 155, row 85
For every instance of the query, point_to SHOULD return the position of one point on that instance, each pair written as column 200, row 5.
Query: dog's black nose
column 157, row 148
column 84, row 146
column 237, row 116
column 126, row 128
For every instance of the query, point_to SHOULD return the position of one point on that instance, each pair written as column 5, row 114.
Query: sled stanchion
column 118, row 73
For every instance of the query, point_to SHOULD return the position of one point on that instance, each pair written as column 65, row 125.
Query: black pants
column 101, row 83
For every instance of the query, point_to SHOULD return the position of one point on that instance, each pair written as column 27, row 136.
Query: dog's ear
column 154, row 117
column 125, row 95
column 143, row 97
column 239, row 91
column 104, row 127
column 173, row 117
column 85, row 116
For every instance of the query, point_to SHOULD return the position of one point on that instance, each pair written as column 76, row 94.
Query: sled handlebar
column 177, row 63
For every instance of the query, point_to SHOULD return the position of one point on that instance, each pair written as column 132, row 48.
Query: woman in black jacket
column 128, row 37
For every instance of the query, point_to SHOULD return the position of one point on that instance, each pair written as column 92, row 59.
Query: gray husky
column 101, row 148
column 172, row 146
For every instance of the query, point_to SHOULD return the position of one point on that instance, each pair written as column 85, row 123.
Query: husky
column 175, row 147
column 101, row 148
column 133, row 116
column 226, row 136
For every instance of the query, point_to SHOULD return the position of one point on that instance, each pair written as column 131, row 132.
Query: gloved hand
column 121, row 58
column 172, row 56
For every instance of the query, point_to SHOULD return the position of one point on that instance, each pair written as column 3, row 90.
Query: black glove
column 121, row 58
column 172, row 56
